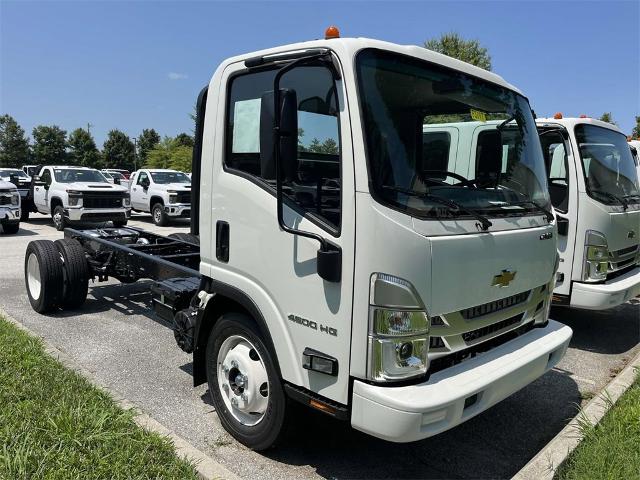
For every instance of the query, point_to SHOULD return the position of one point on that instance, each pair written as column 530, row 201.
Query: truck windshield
column 169, row 177
column 70, row 175
column 429, row 129
column 609, row 170
column 8, row 173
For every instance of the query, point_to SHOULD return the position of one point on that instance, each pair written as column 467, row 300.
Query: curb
column 206, row 467
column 544, row 465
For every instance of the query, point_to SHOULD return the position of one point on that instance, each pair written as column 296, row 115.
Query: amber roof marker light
column 558, row 116
column 331, row 32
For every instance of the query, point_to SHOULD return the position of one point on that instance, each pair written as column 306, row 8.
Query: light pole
column 135, row 153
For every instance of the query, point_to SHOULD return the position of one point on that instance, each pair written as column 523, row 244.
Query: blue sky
column 135, row 65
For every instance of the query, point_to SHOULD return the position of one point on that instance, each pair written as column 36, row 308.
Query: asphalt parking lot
column 117, row 338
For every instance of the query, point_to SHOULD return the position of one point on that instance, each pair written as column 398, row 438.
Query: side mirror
column 563, row 226
column 37, row 181
column 287, row 135
column 145, row 183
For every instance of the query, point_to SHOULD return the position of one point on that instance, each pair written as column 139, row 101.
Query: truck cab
column 593, row 184
column 634, row 145
column 79, row 194
column 165, row 193
column 9, row 207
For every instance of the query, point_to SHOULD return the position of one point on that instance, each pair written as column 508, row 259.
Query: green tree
column 14, row 145
column 82, row 149
column 606, row 117
column 169, row 153
column 49, row 145
column 147, row 140
column 453, row 45
column 118, row 150
column 635, row 133
column 184, row 139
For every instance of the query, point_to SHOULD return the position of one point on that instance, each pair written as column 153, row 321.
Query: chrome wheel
column 57, row 218
column 33, row 276
column 157, row 215
column 243, row 380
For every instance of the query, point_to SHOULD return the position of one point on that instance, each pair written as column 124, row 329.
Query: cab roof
column 570, row 122
column 349, row 47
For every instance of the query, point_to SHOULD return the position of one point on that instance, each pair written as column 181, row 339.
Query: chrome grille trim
column 495, row 306
column 622, row 258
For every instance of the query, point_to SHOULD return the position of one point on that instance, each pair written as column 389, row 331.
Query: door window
column 315, row 188
column 555, row 160
column 46, row 177
column 142, row 178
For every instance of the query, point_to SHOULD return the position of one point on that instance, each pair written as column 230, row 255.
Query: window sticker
column 246, row 128
column 478, row 116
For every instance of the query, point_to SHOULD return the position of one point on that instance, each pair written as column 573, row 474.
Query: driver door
column 41, row 192
column 140, row 194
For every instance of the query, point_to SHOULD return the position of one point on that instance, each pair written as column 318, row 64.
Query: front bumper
column 458, row 393
column 9, row 215
column 600, row 296
column 178, row 209
column 97, row 214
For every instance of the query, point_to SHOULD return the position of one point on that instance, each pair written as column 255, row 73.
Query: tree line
column 50, row 144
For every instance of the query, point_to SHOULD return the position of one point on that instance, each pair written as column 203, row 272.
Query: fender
column 223, row 298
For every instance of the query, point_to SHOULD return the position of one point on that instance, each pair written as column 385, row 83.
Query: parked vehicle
column 594, row 189
column 427, row 301
column 30, row 170
column 79, row 194
column 166, row 194
column 9, row 207
column 635, row 151
column 121, row 171
column 22, row 181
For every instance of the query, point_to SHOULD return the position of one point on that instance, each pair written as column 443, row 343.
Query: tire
column 58, row 218
column 253, row 359
column 119, row 223
column 185, row 237
column 43, row 275
column 24, row 215
column 75, row 273
column 159, row 216
column 11, row 228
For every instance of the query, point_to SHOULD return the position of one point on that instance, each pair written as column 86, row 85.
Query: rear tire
column 159, row 216
column 185, row 237
column 43, row 275
column 236, row 338
column 11, row 228
column 58, row 218
column 75, row 272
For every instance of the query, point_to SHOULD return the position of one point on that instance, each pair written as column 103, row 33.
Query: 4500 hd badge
column 313, row 325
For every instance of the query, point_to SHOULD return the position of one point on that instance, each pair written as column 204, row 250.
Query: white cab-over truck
column 593, row 184
column 329, row 262
column 9, row 207
column 78, row 194
column 164, row 193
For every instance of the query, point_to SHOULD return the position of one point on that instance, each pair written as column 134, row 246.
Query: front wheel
column 11, row 228
column 58, row 218
column 243, row 382
column 159, row 215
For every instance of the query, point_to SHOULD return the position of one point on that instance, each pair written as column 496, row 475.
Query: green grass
column 610, row 449
column 55, row 424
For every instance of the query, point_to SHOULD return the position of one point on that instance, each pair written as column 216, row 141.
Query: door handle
column 222, row 241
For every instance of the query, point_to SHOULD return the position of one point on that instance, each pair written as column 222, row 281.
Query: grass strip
column 610, row 449
column 55, row 424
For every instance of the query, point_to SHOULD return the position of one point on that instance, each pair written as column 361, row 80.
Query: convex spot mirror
column 287, row 135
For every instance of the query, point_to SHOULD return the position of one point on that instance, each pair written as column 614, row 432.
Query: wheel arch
column 226, row 298
column 54, row 202
column 155, row 199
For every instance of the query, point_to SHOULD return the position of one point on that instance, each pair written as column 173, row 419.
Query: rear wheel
column 43, row 275
column 159, row 216
column 58, row 218
column 11, row 228
column 243, row 382
column 75, row 273
column 185, row 237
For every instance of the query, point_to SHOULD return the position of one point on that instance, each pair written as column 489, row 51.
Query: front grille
column 184, row 197
column 494, row 306
column 102, row 200
column 489, row 329
column 623, row 258
column 436, row 342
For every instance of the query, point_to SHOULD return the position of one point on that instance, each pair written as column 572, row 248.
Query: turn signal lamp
column 558, row 116
column 331, row 32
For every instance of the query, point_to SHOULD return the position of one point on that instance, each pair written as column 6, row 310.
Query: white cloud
column 177, row 76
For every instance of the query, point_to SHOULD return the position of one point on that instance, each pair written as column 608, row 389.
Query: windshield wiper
column 485, row 223
column 547, row 213
column 621, row 200
column 633, row 195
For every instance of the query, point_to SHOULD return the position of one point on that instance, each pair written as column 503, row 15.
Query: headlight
column 75, row 201
column 398, row 330
column 15, row 199
column 596, row 257
column 126, row 200
column 173, row 196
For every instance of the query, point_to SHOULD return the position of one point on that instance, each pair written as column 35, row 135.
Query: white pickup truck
column 9, row 207
column 23, row 182
column 164, row 193
column 79, row 194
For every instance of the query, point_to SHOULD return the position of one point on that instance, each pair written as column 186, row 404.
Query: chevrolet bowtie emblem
column 503, row 279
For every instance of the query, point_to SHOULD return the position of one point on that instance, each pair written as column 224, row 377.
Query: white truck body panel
column 143, row 199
